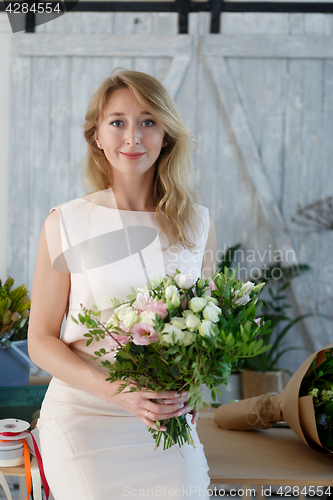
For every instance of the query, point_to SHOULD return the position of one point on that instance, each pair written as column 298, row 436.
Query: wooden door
column 258, row 97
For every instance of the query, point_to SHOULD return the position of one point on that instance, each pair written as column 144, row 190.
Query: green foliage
column 14, row 312
column 275, row 308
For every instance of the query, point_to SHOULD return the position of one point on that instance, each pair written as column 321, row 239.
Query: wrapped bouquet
column 178, row 333
column 306, row 404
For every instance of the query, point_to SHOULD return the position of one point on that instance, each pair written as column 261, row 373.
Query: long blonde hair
column 175, row 197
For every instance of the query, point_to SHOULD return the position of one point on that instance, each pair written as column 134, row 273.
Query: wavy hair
column 174, row 195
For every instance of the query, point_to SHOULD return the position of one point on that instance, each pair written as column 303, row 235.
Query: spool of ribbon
column 21, row 432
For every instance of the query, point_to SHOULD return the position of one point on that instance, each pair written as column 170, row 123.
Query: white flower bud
column 185, row 281
column 197, row 304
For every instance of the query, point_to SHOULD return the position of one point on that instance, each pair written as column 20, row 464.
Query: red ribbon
column 41, row 468
column 10, row 433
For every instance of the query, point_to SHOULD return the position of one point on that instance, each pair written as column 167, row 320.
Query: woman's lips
column 132, row 156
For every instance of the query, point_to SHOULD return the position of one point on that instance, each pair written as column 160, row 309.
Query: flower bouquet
column 178, row 333
column 14, row 312
column 319, row 385
column 306, row 405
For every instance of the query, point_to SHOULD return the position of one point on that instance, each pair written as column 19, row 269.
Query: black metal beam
column 191, row 6
column 30, row 22
column 286, row 7
column 216, row 9
column 184, row 8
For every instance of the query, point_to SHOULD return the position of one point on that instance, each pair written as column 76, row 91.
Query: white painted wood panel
column 19, row 195
column 51, row 45
column 270, row 46
column 258, row 97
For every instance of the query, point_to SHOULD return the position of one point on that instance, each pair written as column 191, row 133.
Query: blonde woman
column 141, row 218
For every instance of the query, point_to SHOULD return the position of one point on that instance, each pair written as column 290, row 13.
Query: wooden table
column 272, row 457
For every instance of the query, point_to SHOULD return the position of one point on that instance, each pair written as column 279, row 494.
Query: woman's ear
column 96, row 138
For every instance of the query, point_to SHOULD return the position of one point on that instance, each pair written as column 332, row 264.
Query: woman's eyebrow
column 117, row 113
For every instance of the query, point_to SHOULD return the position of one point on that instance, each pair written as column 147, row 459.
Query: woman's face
column 130, row 136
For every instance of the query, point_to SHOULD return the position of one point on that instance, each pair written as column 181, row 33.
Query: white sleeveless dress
column 92, row 449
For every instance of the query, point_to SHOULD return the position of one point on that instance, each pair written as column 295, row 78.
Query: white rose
column 147, row 317
column 185, row 281
column 128, row 317
column 184, row 337
column 188, row 337
column 211, row 312
column 186, row 313
column 167, row 338
column 197, row 304
column 168, row 332
column 179, row 322
column 112, row 322
column 206, row 328
column 192, row 322
column 209, row 299
column 121, row 308
column 170, row 291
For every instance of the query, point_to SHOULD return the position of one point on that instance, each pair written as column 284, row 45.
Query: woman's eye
column 117, row 123
column 148, row 123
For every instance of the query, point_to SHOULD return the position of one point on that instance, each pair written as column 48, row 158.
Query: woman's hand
column 143, row 405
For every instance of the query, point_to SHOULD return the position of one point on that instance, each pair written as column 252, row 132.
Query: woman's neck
column 134, row 193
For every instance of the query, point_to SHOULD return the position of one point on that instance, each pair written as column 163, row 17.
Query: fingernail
column 179, row 413
column 181, row 405
column 168, row 401
column 184, row 394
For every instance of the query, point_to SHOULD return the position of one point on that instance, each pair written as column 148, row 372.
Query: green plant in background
column 275, row 308
column 14, row 312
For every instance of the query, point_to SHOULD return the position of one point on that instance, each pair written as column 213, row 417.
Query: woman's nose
column 133, row 135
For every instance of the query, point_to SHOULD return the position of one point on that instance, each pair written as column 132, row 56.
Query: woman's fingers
column 195, row 417
column 160, row 412
column 166, row 395
column 148, row 420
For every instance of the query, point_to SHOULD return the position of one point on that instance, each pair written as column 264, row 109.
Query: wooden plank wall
column 288, row 104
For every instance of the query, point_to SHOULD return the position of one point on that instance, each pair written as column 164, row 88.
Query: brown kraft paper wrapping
column 262, row 412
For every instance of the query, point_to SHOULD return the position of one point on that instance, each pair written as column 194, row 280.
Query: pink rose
column 142, row 301
column 143, row 334
column 158, row 308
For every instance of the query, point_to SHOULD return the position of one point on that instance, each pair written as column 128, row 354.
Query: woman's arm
column 50, row 293
column 49, row 300
column 209, row 257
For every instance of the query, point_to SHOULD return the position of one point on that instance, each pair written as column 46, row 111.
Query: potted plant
column 261, row 374
column 14, row 318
